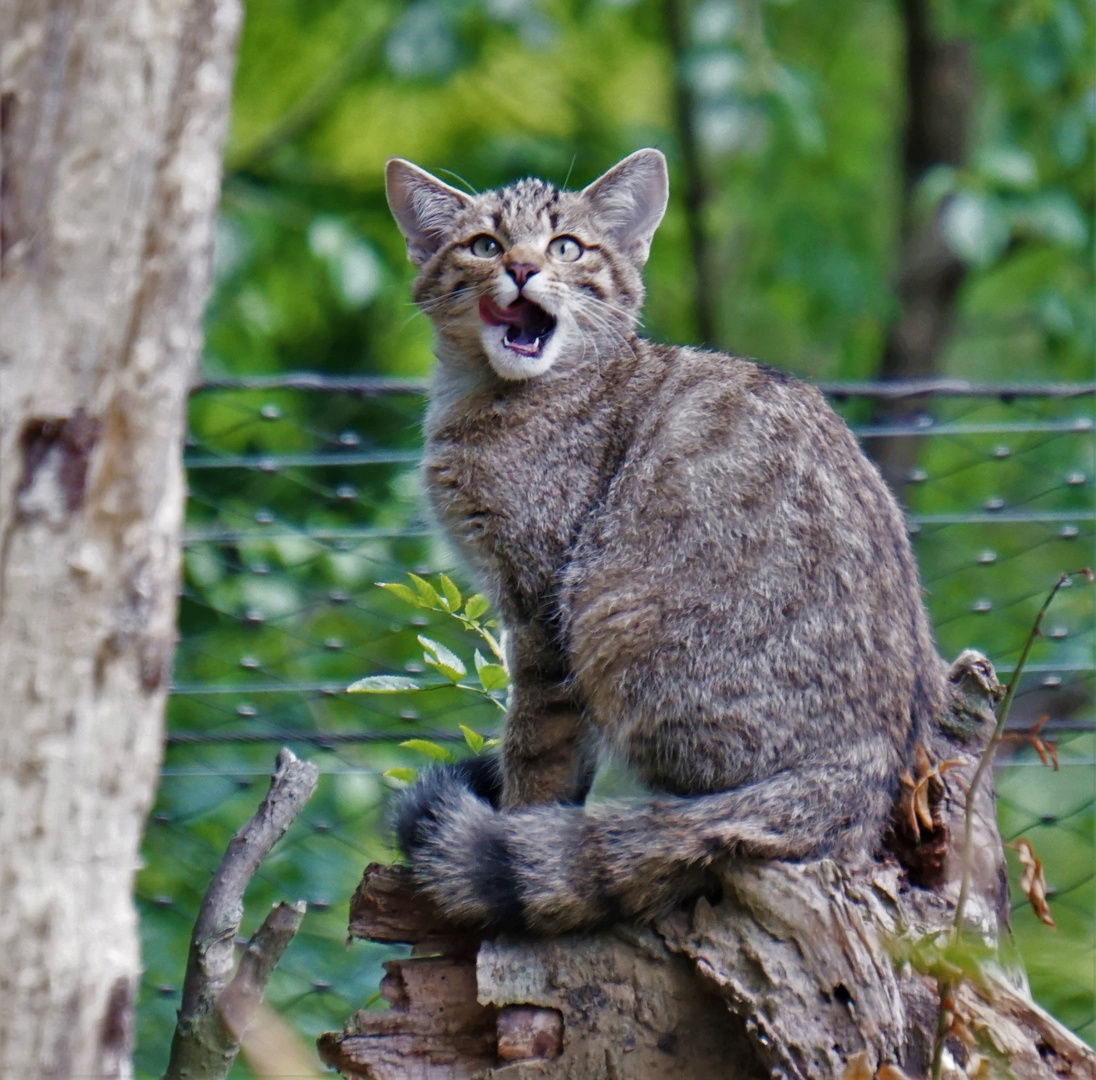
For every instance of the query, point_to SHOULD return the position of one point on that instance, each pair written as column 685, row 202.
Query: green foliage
column 946, row 957
column 799, row 123
column 493, row 677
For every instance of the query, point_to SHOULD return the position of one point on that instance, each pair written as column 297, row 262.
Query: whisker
column 632, row 317
column 457, row 176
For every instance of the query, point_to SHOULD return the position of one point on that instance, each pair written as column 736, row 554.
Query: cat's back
column 747, row 536
column 725, row 444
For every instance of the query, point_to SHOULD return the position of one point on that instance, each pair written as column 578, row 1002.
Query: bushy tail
column 554, row 868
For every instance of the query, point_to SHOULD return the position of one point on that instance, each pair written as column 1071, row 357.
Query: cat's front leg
column 548, row 753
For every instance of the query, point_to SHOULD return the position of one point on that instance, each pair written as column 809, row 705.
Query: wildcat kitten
column 694, row 560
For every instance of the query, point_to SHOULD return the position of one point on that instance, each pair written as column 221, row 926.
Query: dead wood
column 806, row 971
column 220, row 998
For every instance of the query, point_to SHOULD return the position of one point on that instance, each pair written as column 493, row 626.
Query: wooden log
column 803, row 971
column 436, row 1029
column 527, row 1031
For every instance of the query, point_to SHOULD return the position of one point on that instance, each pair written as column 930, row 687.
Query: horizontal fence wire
column 892, row 390
column 1038, row 437
column 304, row 493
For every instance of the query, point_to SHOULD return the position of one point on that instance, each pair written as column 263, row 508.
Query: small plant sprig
column 986, row 761
column 1033, row 881
column 492, row 675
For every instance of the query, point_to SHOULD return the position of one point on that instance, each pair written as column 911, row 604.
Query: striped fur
column 695, row 563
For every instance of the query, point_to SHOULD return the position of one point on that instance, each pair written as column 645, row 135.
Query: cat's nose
column 521, row 272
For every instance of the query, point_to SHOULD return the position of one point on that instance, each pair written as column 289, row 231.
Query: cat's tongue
column 526, row 323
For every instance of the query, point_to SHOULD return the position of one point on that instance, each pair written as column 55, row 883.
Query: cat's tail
column 553, row 868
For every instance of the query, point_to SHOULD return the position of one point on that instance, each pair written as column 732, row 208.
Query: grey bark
column 112, row 116
column 798, row 971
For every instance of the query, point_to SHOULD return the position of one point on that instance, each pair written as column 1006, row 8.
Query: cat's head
column 530, row 276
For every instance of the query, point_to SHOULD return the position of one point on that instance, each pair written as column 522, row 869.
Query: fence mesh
column 304, row 493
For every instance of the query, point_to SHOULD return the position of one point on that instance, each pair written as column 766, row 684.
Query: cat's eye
column 484, row 246
column 565, row 248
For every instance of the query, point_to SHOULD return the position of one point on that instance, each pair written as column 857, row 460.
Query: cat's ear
column 424, row 207
column 630, row 199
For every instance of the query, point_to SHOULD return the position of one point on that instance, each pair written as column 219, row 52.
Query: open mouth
column 528, row 326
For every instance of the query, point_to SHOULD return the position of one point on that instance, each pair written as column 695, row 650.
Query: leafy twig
column 991, row 748
column 946, row 985
column 492, row 674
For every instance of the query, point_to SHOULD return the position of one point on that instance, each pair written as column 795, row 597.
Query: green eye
column 485, row 247
column 565, row 248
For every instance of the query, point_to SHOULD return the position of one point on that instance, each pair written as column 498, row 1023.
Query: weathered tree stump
column 811, row 971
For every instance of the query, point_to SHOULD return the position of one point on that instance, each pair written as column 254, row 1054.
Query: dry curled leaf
column 921, row 792
column 1033, row 882
column 858, row 1067
column 1047, row 749
column 957, row 1027
column 891, row 1072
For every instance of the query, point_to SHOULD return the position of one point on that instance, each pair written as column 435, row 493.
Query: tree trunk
column 940, row 99
column 806, row 971
column 112, row 116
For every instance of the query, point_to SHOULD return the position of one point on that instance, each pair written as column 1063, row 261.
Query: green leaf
column 443, row 659
column 490, row 744
column 1055, row 216
column 430, row 749
column 454, row 675
column 474, row 739
column 1008, row 167
column 405, row 776
column 383, row 684
column 935, row 185
column 493, row 677
column 975, row 227
column 452, row 593
column 427, row 592
column 475, row 606
column 404, row 592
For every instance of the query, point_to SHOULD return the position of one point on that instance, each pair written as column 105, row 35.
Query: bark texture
column 799, row 971
column 112, row 115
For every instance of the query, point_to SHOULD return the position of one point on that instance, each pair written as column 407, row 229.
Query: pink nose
column 521, row 272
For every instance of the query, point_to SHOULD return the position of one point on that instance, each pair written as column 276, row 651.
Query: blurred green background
column 860, row 190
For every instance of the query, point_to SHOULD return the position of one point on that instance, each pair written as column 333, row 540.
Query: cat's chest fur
column 512, row 473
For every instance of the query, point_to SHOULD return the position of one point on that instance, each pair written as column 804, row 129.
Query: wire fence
column 304, row 492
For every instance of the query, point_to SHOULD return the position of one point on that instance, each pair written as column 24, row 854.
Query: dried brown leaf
column 958, row 1027
column 921, row 791
column 891, row 1072
column 1033, row 882
column 1047, row 749
column 858, row 1067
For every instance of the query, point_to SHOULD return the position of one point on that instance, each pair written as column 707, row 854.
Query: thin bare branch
column 244, row 993
column 204, row 1045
